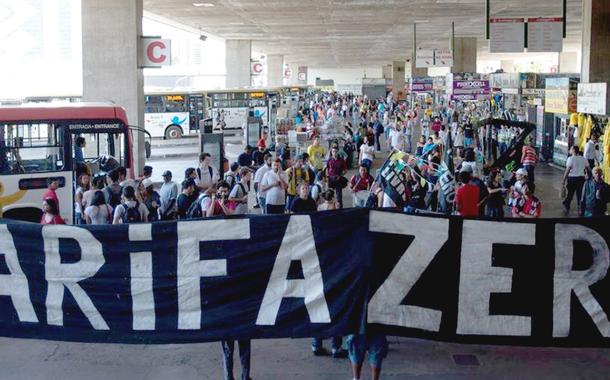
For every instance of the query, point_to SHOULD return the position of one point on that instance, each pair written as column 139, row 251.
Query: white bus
column 173, row 115
column 230, row 108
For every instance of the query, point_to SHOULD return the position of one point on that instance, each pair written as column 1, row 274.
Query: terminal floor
column 291, row 359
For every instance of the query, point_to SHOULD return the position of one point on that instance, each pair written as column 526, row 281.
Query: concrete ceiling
column 340, row 33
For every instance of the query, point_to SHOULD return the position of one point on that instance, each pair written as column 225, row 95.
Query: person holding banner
column 377, row 347
column 360, row 185
column 228, row 346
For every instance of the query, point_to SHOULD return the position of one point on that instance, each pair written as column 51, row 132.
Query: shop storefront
column 560, row 101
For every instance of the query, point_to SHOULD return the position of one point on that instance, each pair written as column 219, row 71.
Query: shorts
column 359, row 344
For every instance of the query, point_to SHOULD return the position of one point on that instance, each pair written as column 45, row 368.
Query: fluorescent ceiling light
column 207, row 5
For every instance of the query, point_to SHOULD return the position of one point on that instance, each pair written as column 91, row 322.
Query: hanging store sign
column 424, row 58
column 592, row 98
column 443, row 58
column 155, row 52
column 302, row 76
column 422, row 84
column 507, row 35
column 545, row 34
column 470, row 89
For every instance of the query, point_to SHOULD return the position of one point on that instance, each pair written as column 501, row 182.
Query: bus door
column 106, row 148
column 196, row 111
column 32, row 153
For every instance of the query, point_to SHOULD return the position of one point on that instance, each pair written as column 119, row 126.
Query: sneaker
column 256, row 206
column 339, row 353
column 321, row 351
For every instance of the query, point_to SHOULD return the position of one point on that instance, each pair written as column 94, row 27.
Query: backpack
column 114, row 192
column 195, row 211
column 132, row 214
column 211, row 173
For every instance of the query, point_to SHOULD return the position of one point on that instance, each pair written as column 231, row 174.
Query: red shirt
column 55, row 220
column 529, row 156
column 218, row 209
column 467, row 200
column 262, row 143
column 336, row 166
column 530, row 206
column 361, row 183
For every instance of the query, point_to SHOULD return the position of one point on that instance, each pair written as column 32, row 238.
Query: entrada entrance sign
column 328, row 274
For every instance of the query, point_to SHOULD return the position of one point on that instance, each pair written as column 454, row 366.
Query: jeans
column 494, row 211
column 289, row 200
column 78, row 217
column 574, row 185
column 275, row 209
column 503, row 147
column 262, row 203
column 339, row 195
column 228, row 347
column 408, row 145
column 337, row 341
column 530, row 172
column 377, row 143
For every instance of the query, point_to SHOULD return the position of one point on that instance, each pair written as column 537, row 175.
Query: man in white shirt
column 397, row 138
column 592, row 151
column 207, row 175
column 274, row 184
column 258, row 178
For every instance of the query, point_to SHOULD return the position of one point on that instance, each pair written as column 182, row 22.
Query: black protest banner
column 541, row 282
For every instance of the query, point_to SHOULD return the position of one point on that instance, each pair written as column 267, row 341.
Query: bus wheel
column 173, row 132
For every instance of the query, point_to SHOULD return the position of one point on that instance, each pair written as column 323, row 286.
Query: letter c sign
column 156, row 52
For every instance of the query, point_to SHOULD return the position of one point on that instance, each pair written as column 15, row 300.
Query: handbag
column 337, row 181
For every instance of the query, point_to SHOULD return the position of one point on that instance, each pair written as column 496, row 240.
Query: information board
column 592, row 98
column 545, row 34
column 507, row 35
column 443, row 58
column 424, row 58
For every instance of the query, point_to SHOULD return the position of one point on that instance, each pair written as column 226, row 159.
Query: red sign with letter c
column 150, row 52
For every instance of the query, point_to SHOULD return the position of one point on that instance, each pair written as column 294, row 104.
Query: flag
column 446, row 179
column 394, row 181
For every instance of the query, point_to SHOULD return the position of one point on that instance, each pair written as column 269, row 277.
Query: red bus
column 38, row 141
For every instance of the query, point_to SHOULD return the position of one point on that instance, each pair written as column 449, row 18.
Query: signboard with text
column 507, row 35
column 443, row 58
column 592, row 98
column 557, row 95
column 545, row 34
column 424, row 58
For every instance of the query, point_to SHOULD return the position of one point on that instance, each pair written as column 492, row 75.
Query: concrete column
column 507, row 66
column 568, row 62
column 111, row 31
column 275, row 70
column 464, row 55
column 595, row 41
column 398, row 79
column 237, row 60
column 386, row 71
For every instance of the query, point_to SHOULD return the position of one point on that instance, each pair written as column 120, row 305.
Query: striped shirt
column 529, row 156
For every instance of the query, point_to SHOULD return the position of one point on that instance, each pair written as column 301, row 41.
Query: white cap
column 522, row 171
column 147, row 182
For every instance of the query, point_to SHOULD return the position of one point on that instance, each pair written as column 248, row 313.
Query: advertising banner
column 422, row 84
column 507, row 35
column 545, row 34
column 540, row 283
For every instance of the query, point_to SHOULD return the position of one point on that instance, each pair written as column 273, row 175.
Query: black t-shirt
column 468, row 131
column 303, row 205
column 183, row 203
column 496, row 199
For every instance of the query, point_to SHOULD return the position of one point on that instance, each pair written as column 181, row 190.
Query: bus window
column 175, row 103
column 153, row 104
column 30, row 148
column 104, row 144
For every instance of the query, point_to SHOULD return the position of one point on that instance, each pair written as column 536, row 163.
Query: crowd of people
column 434, row 141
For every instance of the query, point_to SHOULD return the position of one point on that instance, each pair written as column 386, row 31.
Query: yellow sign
column 556, row 101
column 174, row 98
column 257, row 94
